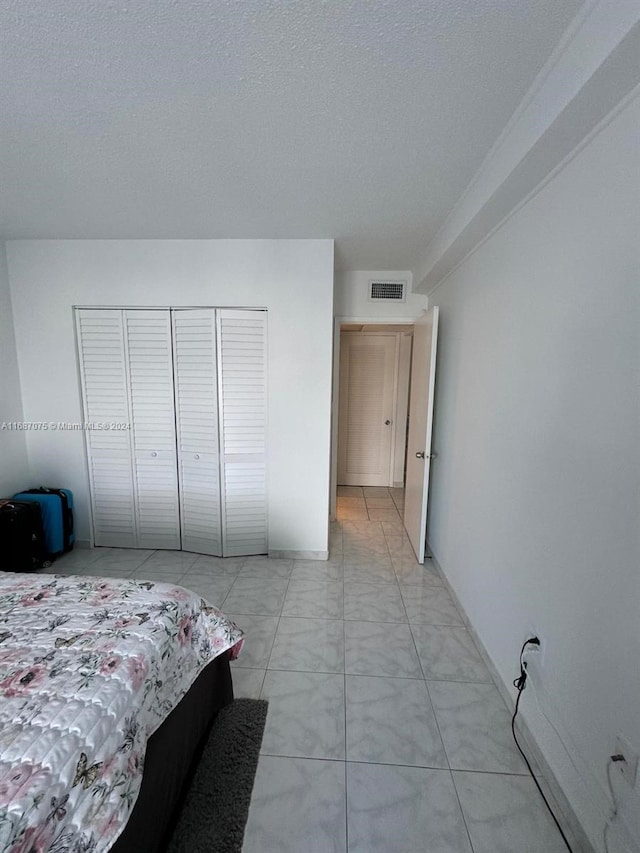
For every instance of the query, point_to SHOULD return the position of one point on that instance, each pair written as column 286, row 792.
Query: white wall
column 293, row 279
column 351, row 297
column 537, row 432
column 14, row 468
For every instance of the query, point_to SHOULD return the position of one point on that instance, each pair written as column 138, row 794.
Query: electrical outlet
column 534, row 655
column 629, row 767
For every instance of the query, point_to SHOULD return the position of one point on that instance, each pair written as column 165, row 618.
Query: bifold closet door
column 242, row 348
column 105, row 384
column 127, row 377
column 153, row 429
column 196, row 394
column 190, row 472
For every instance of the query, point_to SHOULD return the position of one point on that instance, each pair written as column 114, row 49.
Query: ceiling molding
column 592, row 71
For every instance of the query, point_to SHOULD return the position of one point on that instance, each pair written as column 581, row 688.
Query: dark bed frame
column 172, row 756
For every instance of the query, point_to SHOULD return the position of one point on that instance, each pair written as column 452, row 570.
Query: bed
column 100, row 680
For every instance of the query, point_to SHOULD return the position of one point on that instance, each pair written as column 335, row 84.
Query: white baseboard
column 562, row 808
column 298, row 555
column 82, row 543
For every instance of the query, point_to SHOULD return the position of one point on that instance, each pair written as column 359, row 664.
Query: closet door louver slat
column 242, row 393
column 195, row 371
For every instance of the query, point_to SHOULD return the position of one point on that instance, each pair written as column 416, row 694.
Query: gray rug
column 217, row 806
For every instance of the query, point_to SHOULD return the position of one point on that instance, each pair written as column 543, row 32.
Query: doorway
column 417, row 430
column 372, row 376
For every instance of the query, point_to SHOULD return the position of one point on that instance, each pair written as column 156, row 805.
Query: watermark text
column 63, row 426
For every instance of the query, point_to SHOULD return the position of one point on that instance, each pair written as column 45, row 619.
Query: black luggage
column 22, row 547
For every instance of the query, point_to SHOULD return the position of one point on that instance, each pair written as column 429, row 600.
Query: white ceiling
column 361, row 120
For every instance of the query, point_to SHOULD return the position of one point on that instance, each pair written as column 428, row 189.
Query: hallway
column 370, row 503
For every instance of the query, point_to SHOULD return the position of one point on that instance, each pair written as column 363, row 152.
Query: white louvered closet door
column 103, row 368
column 242, row 399
column 196, row 394
column 150, row 368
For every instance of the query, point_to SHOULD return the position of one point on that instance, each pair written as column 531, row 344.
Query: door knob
column 196, row 456
column 153, row 453
column 388, row 423
column 420, row 454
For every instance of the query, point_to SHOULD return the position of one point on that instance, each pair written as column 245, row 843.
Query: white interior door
column 155, row 480
column 366, row 407
column 242, row 383
column 423, row 372
column 196, row 392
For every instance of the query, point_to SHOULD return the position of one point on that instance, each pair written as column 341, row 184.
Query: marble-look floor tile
column 306, row 714
column 132, row 557
column 399, row 545
column 261, row 596
column 376, row 550
column 318, row 570
column 376, row 491
column 381, row 514
column 68, row 570
column 335, row 543
column 266, row 567
column 98, row 569
column 259, row 633
column 317, row 599
column 380, row 648
column 81, row 557
column 364, row 574
column 350, row 492
column 411, row 573
column 311, row 645
column 362, row 529
column 354, row 550
column 158, row 575
column 394, row 528
column 448, row 653
column 214, row 590
column 475, row 727
column 390, row 721
column 216, row 566
column 373, row 602
column 430, row 605
column 403, row 810
column 352, row 513
column 364, row 549
column 172, row 560
column 506, row 813
column 371, row 568
column 247, row 683
column 297, row 806
column 380, row 503
column 351, row 501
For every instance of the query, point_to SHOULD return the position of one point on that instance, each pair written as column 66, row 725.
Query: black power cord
column 519, row 683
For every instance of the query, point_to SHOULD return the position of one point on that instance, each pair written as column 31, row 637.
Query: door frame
column 335, row 394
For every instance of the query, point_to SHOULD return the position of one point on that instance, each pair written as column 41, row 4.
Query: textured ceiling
column 361, row 120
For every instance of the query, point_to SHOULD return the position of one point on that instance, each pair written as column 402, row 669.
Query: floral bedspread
column 89, row 668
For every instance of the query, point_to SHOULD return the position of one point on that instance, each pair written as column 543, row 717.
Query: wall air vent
column 387, row 291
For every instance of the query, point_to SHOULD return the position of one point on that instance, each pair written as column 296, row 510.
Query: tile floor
column 369, row 503
column 385, row 733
